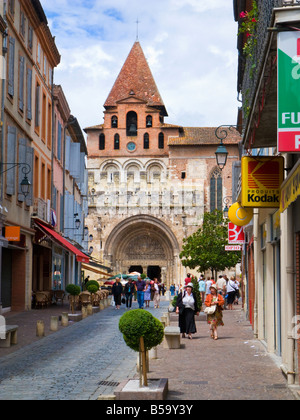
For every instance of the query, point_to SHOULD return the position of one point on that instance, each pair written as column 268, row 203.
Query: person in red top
column 187, row 280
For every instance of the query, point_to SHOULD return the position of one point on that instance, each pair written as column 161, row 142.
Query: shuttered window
column 11, row 158
column 11, row 67
column 21, row 82
column 29, row 94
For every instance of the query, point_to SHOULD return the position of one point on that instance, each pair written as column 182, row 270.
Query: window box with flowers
column 248, row 27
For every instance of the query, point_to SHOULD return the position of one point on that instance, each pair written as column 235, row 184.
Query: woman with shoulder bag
column 187, row 308
column 214, row 307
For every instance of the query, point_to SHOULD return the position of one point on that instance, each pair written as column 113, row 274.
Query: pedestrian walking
column 221, row 285
column 129, row 291
column 147, row 294
column 140, row 287
column 117, row 291
column 209, row 282
column 214, row 301
column 156, row 296
column 187, row 308
column 187, row 279
column 172, row 289
column 231, row 292
column 202, row 288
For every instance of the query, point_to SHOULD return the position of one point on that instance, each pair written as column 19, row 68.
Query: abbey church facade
column 150, row 182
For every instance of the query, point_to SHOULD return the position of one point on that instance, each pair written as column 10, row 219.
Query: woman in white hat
column 215, row 319
column 187, row 308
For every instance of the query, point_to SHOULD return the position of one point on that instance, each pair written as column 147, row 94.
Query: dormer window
column 114, row 122
column 131, row 125
column 149, row 121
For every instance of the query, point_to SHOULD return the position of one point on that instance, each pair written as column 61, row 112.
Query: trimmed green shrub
column 92, row 288
column 92, row 283
column 140, row 323
column 73, row 290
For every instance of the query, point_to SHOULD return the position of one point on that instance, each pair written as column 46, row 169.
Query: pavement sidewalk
column 235, row 367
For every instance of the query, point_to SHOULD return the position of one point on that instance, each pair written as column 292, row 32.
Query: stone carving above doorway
column 144, row 247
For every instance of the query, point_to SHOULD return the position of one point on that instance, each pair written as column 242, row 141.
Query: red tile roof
column 136, row 80
column 203, row 135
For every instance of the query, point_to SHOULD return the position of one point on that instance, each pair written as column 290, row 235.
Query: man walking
column 140, row 287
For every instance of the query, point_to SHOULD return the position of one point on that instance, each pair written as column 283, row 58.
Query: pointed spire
column 136, row 78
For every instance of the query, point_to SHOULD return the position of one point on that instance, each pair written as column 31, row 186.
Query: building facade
column 149, row 182
column 272, row 250
column 39, row 139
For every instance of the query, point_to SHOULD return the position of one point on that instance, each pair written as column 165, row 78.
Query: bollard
column 153, row 353
column 65, row 319
column 54, row 323
column 90, row 309
column 84, row 312
column 40, row 329
column 101, row 305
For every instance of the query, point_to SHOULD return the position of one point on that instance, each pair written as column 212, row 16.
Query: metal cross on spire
column 137, row 29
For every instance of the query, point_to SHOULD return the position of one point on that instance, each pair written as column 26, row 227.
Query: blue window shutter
column 220, row 193
column 29, row 161
column 59, row 141
column 75, row 160
column 62, row 203
column 11, row 67
column 11, row 158
column 21, row 83
column 29, row 94
column 67, row 151
column 22, row 155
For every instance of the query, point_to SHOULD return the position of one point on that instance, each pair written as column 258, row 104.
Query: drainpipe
column 256, row 265
column 290, row 307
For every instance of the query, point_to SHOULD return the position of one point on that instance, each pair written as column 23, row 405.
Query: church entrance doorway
column 137, row 268
column 144, row 244
column 154, row 271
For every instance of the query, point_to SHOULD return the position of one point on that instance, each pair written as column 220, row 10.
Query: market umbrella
column 134, row 273
column 109, row 283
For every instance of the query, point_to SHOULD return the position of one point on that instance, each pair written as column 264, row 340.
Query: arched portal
column 147, row 242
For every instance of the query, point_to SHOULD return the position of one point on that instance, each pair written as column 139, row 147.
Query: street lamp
column 26, row 169
column 222, row 153
column 221, row 156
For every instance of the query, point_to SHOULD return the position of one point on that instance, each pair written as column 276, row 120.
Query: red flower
column 243, row 15
column 254, row 20
column 248, row 34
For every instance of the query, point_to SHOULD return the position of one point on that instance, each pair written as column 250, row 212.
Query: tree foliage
column 205, row 249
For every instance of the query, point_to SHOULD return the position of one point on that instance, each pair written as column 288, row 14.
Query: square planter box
column 75, row 317
column 130, row 390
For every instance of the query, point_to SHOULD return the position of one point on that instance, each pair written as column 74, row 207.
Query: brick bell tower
column 134, row 115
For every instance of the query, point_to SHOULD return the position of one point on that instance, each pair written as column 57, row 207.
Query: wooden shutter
column 22, row 157
column 11, row 67
column 29, row 94
column 21, row 82
column 11, row 158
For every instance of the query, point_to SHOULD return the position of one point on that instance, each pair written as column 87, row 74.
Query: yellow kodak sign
column 261, row 181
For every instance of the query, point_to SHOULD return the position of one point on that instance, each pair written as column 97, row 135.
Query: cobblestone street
column 89, row 358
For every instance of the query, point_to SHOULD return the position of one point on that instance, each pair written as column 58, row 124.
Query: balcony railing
column 250, row 77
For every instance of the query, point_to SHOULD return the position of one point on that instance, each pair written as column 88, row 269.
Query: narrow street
column 89, row 358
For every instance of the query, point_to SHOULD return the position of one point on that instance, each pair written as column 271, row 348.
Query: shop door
column 6, row 282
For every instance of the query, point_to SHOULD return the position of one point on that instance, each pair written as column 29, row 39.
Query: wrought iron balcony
column 248, row 75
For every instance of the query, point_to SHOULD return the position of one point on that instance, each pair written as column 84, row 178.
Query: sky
column 190, row 45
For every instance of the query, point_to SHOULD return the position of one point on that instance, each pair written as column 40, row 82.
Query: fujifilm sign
column 289, row 92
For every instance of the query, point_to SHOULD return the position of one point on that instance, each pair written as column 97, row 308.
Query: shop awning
column 94, row 270
column 80, row 256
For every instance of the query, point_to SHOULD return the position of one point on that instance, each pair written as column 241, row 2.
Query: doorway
column 154, row 271
column 137, row 268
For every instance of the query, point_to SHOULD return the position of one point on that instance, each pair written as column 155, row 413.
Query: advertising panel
column 236, row 234
column 289, row 91
column 261, row 181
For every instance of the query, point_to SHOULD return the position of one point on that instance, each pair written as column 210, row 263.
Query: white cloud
column 190, row 46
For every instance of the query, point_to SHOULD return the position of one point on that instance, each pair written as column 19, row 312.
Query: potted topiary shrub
column 141, row 332
column 73, row 291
